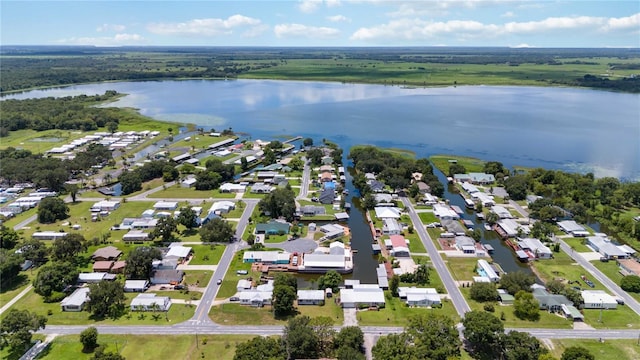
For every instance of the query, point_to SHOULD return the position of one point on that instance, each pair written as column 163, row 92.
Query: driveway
column 350, row 317
column 301, row 245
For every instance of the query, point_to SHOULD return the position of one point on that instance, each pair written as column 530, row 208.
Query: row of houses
column 77, row 300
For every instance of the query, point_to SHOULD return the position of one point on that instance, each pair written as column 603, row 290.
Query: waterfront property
column 573, row 228
column 310, row 297
column 419, row 297
column 607, row 249
column 273, row 227
column 475, row 178
column 484, row 269
column 362, row 295
column 535, row 249
column 266, row 257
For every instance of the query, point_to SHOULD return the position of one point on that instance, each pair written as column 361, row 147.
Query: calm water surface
column 561, row 128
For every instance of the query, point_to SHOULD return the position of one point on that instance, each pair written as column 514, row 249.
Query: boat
column 469, row 203
column 487, row 227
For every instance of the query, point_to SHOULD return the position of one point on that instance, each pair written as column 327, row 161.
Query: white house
column 573, row 228
column 48, row 235
column 165, row 205
column 484, row 269
column 362, row 295
column 391, row 226
column 386, row 212
column 187, row 183
column 536, row 247
column 501, row 212
column 150, row 302
column 136, row 285
column 420, row 297
column 310, row 297
column 445, row 212
column 231, row 187
column 105, row 205
column 606, row 248
column 598, row 299
column 75, row 301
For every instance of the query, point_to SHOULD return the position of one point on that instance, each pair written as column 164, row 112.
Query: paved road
column 201, row 315
column 449, row 283
column 25, row 222
column 187, row 329
column 597, row 274
column 612, row 286
column 306, row 177
column 15, row 299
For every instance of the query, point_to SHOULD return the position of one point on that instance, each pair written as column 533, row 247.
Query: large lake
column 560, row 128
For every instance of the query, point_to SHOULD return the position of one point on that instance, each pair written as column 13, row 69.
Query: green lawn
column 21, row 282
column 206, row 254
column 462, row 269
column 40, row 141
column 169, row 347
column 180, row 294
column 415, row 244
column 236, row 314
column 621, row 318
column 471, row 164
column 427, row 217
column 547, row 320
column 33, row 302
column 21, row 217
column 179, row 192
column 396, row 313
column 610, row 269
column 577, row 244
column 627, row 349
column 563, row 267
column 197, row 277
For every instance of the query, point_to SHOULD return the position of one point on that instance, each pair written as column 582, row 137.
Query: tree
column 307, row 142
column 330, row 280
column 481, row 291
column 54, row 278
column 51, row 209
column 296, row 164
column 216, row 231
column 89, row 339
column 541, row 230
column 283, row 299
column 483, row 331
column 299, row 339
column 347, row 353
column 17, row 326
column 434, row 336
column 394, row 347
column 100, row 354
column 279, row 203
column 244, row 164
column 72, row 189
column 368, row 202
column 269, row 156
column 170, row 173
column 630, row 283
column 394, row 283
column 494, row 167
column 516, row 281
column 323, row 328
column 66, row 248
column 106, row 298
column 286, row 279
column 577, row 353
column 555, row 286
column 259, row 348
column 112, row 126
column 526, row 307
column 130, row 182
column 9, row 267
column 492, row 218
column 139, row 262
column 34, row 250
column 350, row 337
column 457, row 169
column 517, row 186
column 8, row 237
column 164, row 229
column 187, row 218
column 315, row 155
column 521, row 346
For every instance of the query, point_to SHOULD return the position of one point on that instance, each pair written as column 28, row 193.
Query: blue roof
column 330, row 185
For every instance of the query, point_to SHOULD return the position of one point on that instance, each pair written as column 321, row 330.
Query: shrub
column 489, row 308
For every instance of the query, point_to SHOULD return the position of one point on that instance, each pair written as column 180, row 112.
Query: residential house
column 423, row 187
column 399, row 246
column 444, row 212
column 261, row 188
column 606, row 248
column 391, row 227
column 136, row 285
column 332, row 231
column 419, row 297
column 598, row 299
column 629, row 267
column 310, row 297
column 312, row 210
column 178, row 252
column 502, row 212
column 485, row 269
column 510, row 228
column 75, row 301
column 475, row 178
column 48, row 235
column 135, row 235
column 243, row 284
column 536, row 248
column 573, row 228
column 466, row 244
column 362, row 295
column 273, row 227
column 150, row 302
column 232, row 188
column 222, row 207
column 384, row 212
column 105, row 205
column 165, row 205
column 106, row 253
column 94, row 277
column 548, row 301
column 102, row 266
column 167, row 277
column 189, row 182
column 266, row 257
column 327, row 196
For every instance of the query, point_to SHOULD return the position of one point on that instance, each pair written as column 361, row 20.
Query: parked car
column 219, row 281
column 242, row 272
column 179, row 287
column 234, row 298
column 604, row 259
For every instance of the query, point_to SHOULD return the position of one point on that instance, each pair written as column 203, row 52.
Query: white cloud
column 338, row 18
column 116, row 40
column 256, row 31
column 522, row 46
column 111, row 27
column 204, row 27
column 415, row 28
column 629, row 22
column 299, row 30
column 508, row 14
column 309, row 6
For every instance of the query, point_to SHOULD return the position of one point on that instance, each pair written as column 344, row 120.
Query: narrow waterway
column 502, row 254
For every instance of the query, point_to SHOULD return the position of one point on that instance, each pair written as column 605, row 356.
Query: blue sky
column 515, row 23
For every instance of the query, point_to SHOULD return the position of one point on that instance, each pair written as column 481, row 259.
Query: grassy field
column 415, row 244
column 21, row 282
column 236, row 314
column 610, row 269
column 197, row 277
column 33, row 302
column 228, row 287
column 206, row 254
column 627, row 349
column 462, row 269
column 179, row 192
column 396, row 313
column 442, row 162
column 563, row 267
column 547, row 320
column 620, row 318
column 180, row 294
column 577, row 244
column 427, row 217
column 169, row 347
